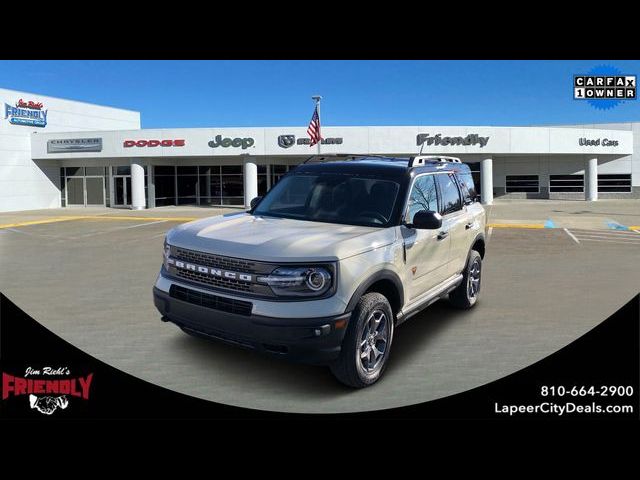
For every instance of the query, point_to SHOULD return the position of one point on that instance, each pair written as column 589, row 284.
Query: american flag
column 314, row 128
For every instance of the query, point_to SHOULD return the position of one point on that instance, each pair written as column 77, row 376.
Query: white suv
column 330, row 261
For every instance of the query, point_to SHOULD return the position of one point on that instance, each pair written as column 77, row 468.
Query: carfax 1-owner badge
column 605, row 87
column 46, row 389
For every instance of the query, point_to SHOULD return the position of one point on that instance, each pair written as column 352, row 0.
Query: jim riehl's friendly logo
column 604, row 87
column 47, row 388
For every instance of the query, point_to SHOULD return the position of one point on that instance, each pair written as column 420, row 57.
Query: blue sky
column 274, row 93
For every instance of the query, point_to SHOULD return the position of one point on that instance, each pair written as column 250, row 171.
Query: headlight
column 166, row 255
column 299, row 281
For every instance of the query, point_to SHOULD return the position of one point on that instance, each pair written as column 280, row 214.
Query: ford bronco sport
column 335, row 256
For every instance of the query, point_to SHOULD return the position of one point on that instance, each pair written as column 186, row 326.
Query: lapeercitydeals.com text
column 562, row 409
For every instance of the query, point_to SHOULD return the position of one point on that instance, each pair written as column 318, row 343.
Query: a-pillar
column 591, row 180
column 250, row 181
column 138, row 201
column 486, row 176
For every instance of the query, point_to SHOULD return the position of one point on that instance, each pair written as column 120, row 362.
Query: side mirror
column 254, row 203
column 427, row 220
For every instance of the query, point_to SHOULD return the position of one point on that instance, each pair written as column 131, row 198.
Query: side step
column 429, row 297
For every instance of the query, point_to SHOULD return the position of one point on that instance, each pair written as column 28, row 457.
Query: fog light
column 323, row 330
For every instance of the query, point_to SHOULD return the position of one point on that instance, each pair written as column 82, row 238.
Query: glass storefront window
column 210, row 185
column 231, row 169
column 203, row 185
column 187, row 170
column 232, row 186
column 74, row 171
column 165, row 190
column 209, row 170
column 187, row 189
column 262, row 185
column 95, row 171
column 162, row 170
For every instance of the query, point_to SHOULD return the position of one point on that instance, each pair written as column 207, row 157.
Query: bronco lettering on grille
column 214, row 272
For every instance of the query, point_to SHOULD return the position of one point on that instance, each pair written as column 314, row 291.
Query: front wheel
column 466, row 294
column 366, row 345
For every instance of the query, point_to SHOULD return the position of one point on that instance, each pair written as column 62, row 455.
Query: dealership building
column 62, row 153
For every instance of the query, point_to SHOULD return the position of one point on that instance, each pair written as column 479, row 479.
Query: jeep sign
column 232, row 142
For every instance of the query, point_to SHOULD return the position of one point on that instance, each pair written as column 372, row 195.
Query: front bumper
column 308, row 340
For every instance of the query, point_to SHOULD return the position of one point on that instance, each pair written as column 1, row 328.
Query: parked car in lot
column 325, row 267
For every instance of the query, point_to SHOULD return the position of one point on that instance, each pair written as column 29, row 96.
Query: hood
column 272, row 239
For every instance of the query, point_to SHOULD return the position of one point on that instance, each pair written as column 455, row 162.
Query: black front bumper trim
column 295, row 339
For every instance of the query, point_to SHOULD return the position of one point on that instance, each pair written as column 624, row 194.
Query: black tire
column 463, row 296
column 350, row 368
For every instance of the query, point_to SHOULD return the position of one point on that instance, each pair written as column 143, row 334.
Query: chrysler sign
column 65, row 145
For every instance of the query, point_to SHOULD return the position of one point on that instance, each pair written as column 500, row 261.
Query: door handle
column 442, row 235
column 468, row 226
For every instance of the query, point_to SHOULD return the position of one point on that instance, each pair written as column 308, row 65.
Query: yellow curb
column 515, row 225
column 94, row 217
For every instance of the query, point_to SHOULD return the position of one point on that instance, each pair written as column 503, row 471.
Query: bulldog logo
column 286, row 141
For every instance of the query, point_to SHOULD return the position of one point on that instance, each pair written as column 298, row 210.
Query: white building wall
column 630, row 163
column 27, row 185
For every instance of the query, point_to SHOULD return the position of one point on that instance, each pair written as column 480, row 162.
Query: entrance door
column 122, row 191
column 75, row 191
column 95, row 190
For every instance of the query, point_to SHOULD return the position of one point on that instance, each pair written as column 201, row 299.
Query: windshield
column 331, row 197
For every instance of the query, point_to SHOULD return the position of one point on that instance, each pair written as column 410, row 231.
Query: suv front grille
column 229, row 305
column 214, row 281
column 217, row 261
column 221, row 262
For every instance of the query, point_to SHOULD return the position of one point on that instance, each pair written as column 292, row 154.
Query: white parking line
column 571, row 235
column 605, row 232
column 626, row 242
column 609, row 237
column 143, row 224
column 92, row 234
column 489, row 234
column 42, row 235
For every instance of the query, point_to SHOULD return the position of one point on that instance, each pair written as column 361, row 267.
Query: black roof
column 374, row 165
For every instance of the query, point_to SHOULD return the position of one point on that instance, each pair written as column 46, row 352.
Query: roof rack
column 329, row 157
column 424, row 159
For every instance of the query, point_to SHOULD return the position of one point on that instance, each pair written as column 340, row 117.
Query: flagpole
column 317, row 99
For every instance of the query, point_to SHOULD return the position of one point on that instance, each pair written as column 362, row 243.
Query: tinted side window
column 468, row 187
column 450, row 195
column 423, row 196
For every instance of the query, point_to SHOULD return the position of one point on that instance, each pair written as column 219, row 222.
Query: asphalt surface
column 89, row 280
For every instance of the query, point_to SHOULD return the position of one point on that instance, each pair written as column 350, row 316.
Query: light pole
column 317, row 98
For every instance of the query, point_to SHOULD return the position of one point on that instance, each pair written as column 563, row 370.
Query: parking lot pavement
column 89, row 281
column 600, row 215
